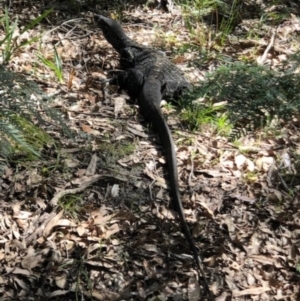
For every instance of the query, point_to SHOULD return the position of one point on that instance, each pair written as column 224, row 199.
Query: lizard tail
column 149, row 103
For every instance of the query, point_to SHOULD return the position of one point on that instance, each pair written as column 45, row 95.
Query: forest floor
column 92, row 220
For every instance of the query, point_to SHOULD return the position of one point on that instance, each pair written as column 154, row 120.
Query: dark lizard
column 149, row 76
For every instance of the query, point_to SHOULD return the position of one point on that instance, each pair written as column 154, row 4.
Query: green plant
column 195, row 115
column 251, row 177
column 220, row 16
column 223, row 124
column 12, row 133
column 215, row 12
column 70, row 205
column 200, row 35
column 10, row 41
column 114, row 151
column 23, row 109
column 80, row 275
column 166, row 39
column 227, row 24
column 201, row 8
column 55, row 66
column 275, row 17
column 256, row 96
column 26, row 136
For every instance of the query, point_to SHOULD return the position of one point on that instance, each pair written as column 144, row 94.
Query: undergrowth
column 13, row 41
column 24, row 107
column 221, row 16
column 197, row 115
column 255, row 96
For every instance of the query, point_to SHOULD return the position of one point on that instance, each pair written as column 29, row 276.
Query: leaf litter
column 122, row 241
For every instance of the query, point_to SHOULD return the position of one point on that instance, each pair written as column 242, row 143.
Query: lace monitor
column 149, row 76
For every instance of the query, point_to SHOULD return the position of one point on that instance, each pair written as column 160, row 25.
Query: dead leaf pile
column 92, row 220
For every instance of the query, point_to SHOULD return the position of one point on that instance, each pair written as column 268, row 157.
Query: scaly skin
column 149, row 76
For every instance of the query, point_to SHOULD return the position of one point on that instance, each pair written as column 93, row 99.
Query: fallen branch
column 81, row 188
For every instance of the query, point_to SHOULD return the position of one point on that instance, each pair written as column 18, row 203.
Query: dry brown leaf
column 80, row 230
column 264, row 259
column 86, row 180
column 137, row 130
column 250, row 291
column 179, row 59
column 58, row 293
column 128, row 215
column 21, row 283
column 111, row 231
column 61, row 281
column 193, row 289
column 41, row 203
column 80, row 172
column 213, row 173
column 205, row 203
column 69, row 245
column 91, row 169
column 228, row 164
column 86, row 128
column 20, row 214
column 264, row 163
column 100, row 220
column 285, row 161
column 119, row 103
column 34, row 178
column 250, row 279
column 71, row 76
column 115, row 191
column 31, row 261
column 65, row 223
column 222, row 297
column 240, row 161
column 19, row 244
column 159, row 181
column 52, row 223
column 71, row 163
column 244, row 198
column 151, row 248
column 15, row 230
column 17, row 271
column 231, row 283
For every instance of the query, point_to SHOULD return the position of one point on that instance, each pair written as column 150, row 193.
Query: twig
column 191, row 173
column 271, row 45
column 249, row 43
column 82, row 187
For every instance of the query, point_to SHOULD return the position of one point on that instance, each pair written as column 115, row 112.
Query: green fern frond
column 26, row 99
column 24, row 110
column 14, row 134
column 5, row 146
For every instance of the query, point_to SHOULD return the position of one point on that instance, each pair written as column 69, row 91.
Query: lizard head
column 113, row 33
column 106, row 23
